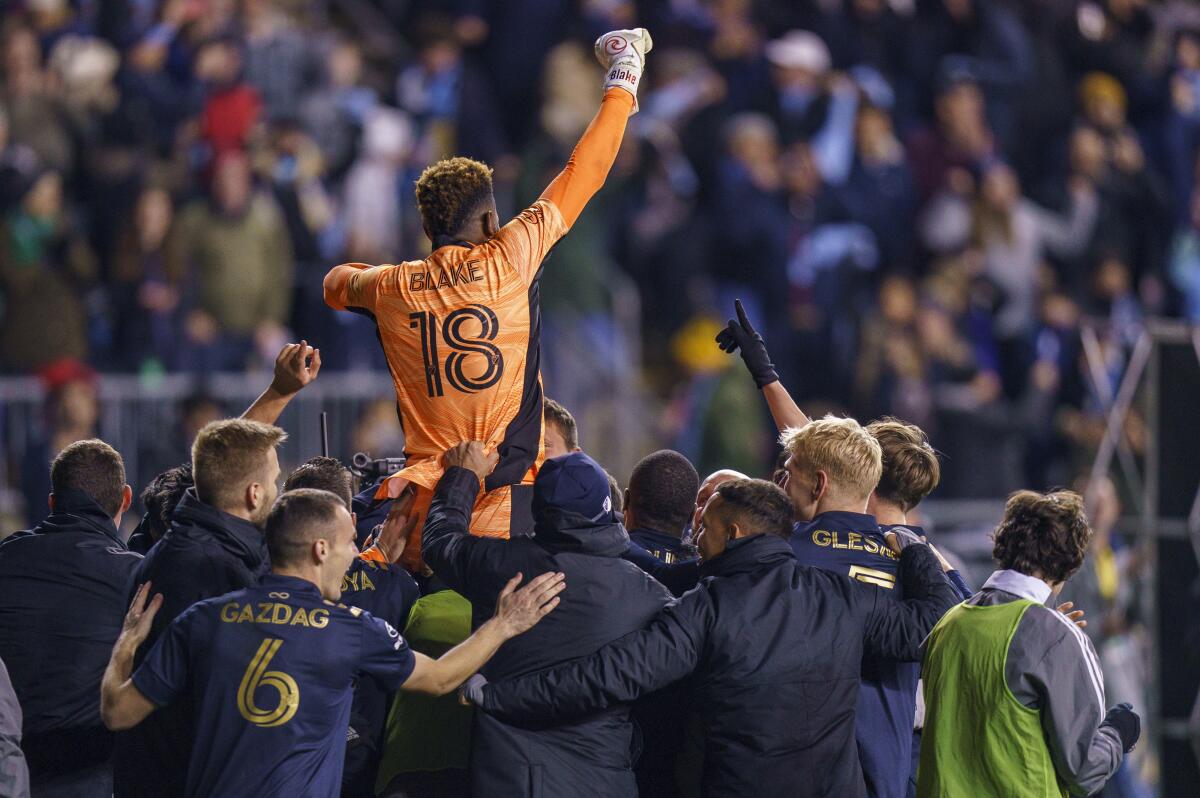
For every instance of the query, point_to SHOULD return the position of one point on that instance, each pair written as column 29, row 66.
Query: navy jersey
column 386, row 591
column 270, row 669
column 665, row 548
column 852, row 544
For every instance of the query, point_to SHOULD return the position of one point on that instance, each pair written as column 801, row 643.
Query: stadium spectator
column 560, row 434
column 14, row 773
column 215, row 545
column 1012, row 686
column 575, row 532
column 233, row 250
column 295, row 746
column 768, row 641
column 46, row 269
column 63, row 589
column 659, row 503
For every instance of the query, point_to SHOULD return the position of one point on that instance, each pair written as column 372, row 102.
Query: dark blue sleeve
column 447, row 545
column 896, row 629
column 385, row 654
column 679, row 577
column 638, row 663
column 163, row 675
column 959, row 584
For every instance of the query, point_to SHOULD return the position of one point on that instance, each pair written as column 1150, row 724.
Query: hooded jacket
column 605, row 598
column 774, row 650
column 62, row 604
column 205, row 553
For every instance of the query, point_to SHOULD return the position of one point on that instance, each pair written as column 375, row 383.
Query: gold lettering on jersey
column 854, row 541
column 872, row 576
column 274, row 613
column 257, row 676
column 467, row 272
column 357, row 581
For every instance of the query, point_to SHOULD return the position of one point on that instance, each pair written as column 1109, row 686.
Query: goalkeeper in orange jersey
column 461, row 328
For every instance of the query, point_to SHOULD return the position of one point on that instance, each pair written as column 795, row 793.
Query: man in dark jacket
column 62, row 602
column 774, row 649
column 575, row 533
column 214, row 546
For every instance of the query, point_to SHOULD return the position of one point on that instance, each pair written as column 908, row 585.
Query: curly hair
column 1044, row 535
column 163, row 494
column 910, row 465
column 448, row 192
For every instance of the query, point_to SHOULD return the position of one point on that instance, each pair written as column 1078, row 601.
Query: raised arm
column 740, row 336
column 122, row 705
column 296, row 366
column 517, row 611
column 623, row 55
column 351, row 286
column 639, row 663
column 896, row 629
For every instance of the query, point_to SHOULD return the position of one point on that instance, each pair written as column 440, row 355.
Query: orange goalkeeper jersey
column 461, row 329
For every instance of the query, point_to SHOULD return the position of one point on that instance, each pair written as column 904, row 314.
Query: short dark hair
column 1044, row 535
column 92, row 467
column 298, row 518
column 559, row 416
column 615, row 493
column 662, row 491
column 163, row 494
column 910, row 465
column 758, row 505
column 449, row 191
column 323, row 473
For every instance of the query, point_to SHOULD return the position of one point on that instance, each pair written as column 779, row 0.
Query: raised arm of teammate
column 740, row 336
column 296, row 366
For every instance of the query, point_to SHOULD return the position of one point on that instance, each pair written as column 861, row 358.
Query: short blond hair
column 228, row 455
column 910, row 465
column 840, row 447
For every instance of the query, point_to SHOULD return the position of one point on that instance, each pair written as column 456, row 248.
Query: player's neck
column 307, row 573
column 888, row 514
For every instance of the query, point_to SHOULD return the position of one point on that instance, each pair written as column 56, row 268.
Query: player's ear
column 820, row 485
column 490, row 222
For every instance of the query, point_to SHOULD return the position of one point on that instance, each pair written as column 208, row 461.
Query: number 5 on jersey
column 257, row 676
column 461, row 347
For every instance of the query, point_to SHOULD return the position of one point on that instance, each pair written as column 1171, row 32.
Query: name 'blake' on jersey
column 851, row 544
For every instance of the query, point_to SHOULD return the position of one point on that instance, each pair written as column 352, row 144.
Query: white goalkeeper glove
column 622, row 53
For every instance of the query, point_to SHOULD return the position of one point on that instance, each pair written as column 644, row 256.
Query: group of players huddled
column 734, row 636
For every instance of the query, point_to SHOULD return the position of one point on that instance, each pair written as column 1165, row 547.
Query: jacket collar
column 841, row 519
column 292, row 584
column 562, row 530
column 243, row 537
column 1019, row 584
column 748, row 554
column 659, row 539
column 76, row 511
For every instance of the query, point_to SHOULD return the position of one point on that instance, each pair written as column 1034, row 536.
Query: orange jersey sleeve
column 353, row 285
column 593, row 156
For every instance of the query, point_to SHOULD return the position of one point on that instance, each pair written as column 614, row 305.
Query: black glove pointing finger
column 741, row 335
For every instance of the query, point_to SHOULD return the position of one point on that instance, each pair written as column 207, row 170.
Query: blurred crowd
column 925, row 199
